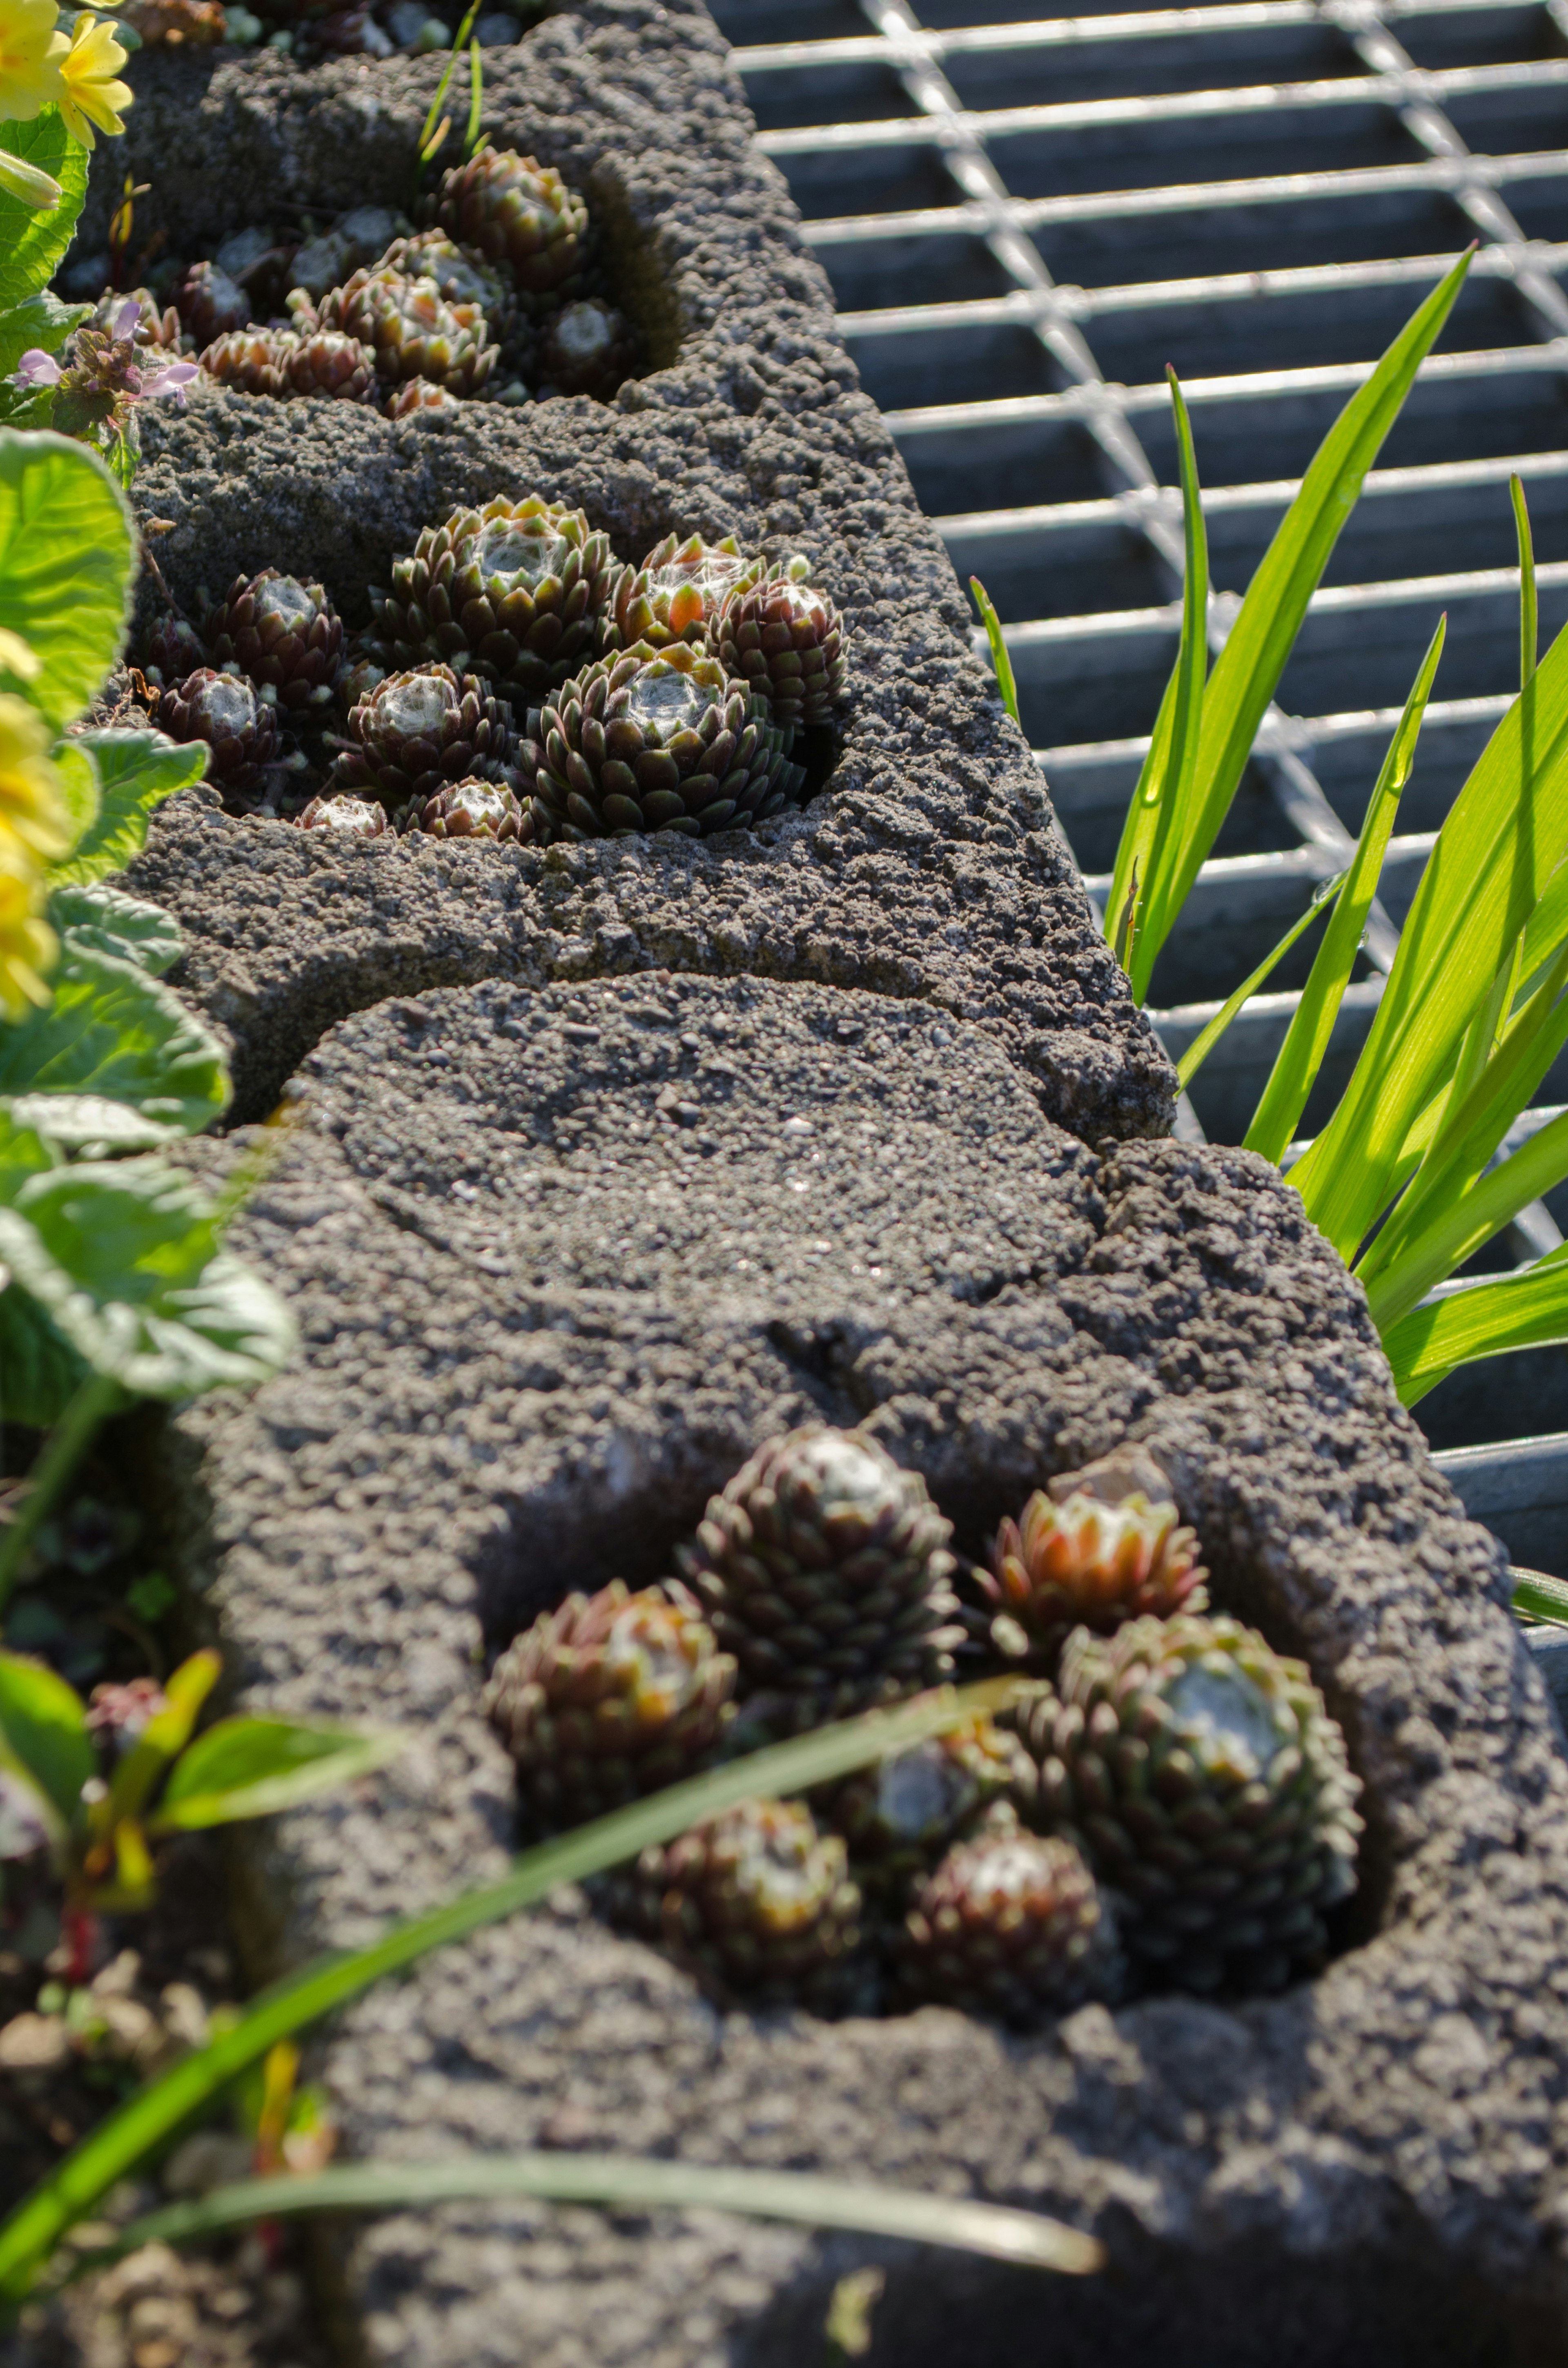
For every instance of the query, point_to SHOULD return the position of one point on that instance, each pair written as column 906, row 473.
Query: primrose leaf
column 113, row 923
column 44, row 1729
column 136, row 771
column 66, row 559
column 32, row 244
column 111, row 1031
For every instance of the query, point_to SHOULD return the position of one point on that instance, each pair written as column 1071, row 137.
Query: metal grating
column 1024, row 219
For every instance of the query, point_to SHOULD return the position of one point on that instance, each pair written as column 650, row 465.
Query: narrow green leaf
column 621, row 2182
column 1197, row 1052
column 164, row 1737
column 33, row 244
column 255, row 1767
column 998, row 640
column 1543, row 1597
column 112, row 1029
column 44, row 1725
column 1453, row 1235
column 1247, row 672
column 1159, row 816
column 476, row 100
column 1307, row 1040
column 136, row 771
column 1528, row 634
column 127, row 2134
column 111, row 922
column 1528, row 1310
column 1500, row 844
column 66, row 561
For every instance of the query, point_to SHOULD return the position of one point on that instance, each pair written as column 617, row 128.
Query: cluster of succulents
column 1167, row 1803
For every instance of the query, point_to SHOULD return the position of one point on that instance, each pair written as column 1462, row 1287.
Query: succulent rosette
column 211, row 303
column 417, row 732
column 512, row 592
column 461, row 275
column 409, row 328
column 1080, row 1562
column 649, row 741
column 348, row 818
column 240, row 729
column 1010, row 1924
column 586, row 350
column 519, row 213
column 679, row 591
column 784, row 640
column 474, row 809
column 281, row 632
column 1203, row 1776
column 171, row 649
column 419, row 395
column 285, row 363
column 899, row 1817
column 609, row 1697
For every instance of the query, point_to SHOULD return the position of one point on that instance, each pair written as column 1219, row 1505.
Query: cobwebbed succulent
column 349, row 817
column 241, row 729
column 474, row 809
column 899, row 1817
column 761, row 1909
column 282, row 362
column 825, row 1569
column 651, row 740
column 586, row 350
column 678, row 592
column 606, row 1698
column 419, row 395
column 356, row 677
column 1208, row 1785
column 512, row 592
column 1084, row 1563
column 785, row 641
column 419, row 732
column 1013, row 1925
column 170, row 650
column 409, row 329
column 519, row 213
column 211, row 303
column 281, row 631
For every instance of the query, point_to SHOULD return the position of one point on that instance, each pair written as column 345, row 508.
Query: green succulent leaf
column 137, row 770
column 32, row 244
column 43, row 1732
column 66, row 560
column 111, row 922
column 110, row 1030
column 254, row 1767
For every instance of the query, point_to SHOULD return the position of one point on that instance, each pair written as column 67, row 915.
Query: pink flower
column 125, row 320
column 38, row 369
column 173, row 379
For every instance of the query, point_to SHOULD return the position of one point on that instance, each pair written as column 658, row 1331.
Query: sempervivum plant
column 825, row 1569
column 461, row 274
column 419, row 395
column 349, row 817
column 512, row 592
column 283, row 363
column 519, row 214
column 409, row 328
column 899, row 1817
column 171, row 649
column 761, row 1909
column 678, row 592
column 651, row 740
column 240, row 729
column 211, row 303
column 1011, row 1924
column 281, row 632
column 474, row 809
column 1085, row 1564
column 606, row 1698
column 785, row 641
column 1210, row 1786
column 417, row 732
column 586, row 350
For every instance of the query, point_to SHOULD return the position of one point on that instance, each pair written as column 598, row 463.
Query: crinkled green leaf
column 44, row 1730
column 40, row 1372
column 137, row 770
column 254, row 1767
column 113, row 1030
column 66, row 562
column 32, row 244
column 113, row 923
column 78, row 779
column 41, row 325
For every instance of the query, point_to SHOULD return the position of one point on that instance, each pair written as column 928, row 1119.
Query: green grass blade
column 1247, row 672
column 1528, row 633
column 129, row 2133
column 1487, row 1319
column 622, row 2182
column 1454, row 1234
column 999, row 657
column 1197, row 1052
column 1300, row 1056
column 1501, row 844
column 1542, row 1597
column 476, row 100
column 1156, row 819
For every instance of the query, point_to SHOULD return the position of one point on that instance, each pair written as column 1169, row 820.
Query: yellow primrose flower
column 89, row 93
column 32, row 816
column 28, row 944
column 31, row 55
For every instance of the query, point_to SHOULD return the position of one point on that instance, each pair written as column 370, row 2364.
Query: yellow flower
column 28, row 944
column 32, row 816
column 89, row 93
column 31, row 55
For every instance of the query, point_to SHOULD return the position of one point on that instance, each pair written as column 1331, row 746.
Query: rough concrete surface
column 560, row 1257
column 929, row 865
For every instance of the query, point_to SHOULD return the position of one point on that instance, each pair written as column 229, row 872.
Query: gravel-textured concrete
column 560, row 1259
column 928, row 866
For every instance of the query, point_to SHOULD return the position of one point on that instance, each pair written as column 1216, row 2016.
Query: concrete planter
column 610, row 1160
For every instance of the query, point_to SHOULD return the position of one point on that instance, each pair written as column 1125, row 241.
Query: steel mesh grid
column 1023, row 218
